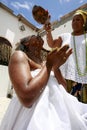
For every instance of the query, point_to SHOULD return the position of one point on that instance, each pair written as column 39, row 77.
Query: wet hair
column 27, row 39
column 23, row 42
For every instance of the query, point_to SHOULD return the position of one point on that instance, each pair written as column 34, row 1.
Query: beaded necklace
column 77, row 65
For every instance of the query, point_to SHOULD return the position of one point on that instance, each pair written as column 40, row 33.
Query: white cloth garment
column 54, row 110
column 69, row 69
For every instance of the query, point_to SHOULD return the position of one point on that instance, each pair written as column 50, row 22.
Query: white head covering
column 83, row 13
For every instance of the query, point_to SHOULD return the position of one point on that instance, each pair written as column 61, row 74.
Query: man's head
column 32, row 43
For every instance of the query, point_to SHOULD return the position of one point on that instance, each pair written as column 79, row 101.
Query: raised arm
column 28, row 89
column 52, row 42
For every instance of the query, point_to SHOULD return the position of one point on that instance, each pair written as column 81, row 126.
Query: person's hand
column 62, row 55
column 50, row 57
column 58, row 42
column 58, row 56
column 47, row 26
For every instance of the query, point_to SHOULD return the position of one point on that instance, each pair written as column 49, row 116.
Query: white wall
column 9, row 27
column 67, row 27
column 4, row 81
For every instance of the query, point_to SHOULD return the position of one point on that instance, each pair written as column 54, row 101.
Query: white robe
column 69, row 69
column 54, row 110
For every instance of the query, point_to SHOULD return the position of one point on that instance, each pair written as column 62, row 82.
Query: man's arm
column 29, row 88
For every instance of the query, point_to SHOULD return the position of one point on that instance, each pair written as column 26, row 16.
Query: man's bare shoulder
column 18, row 56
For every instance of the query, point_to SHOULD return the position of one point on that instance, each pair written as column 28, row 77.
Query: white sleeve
column 66, row 38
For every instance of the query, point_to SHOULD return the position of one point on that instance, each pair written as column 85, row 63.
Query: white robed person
column 41, row 101
column 75, row 68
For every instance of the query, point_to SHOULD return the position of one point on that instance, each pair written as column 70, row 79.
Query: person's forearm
column 60, row 78
column 49, row 38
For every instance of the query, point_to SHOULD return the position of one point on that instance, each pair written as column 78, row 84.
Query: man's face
column 35, row 43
